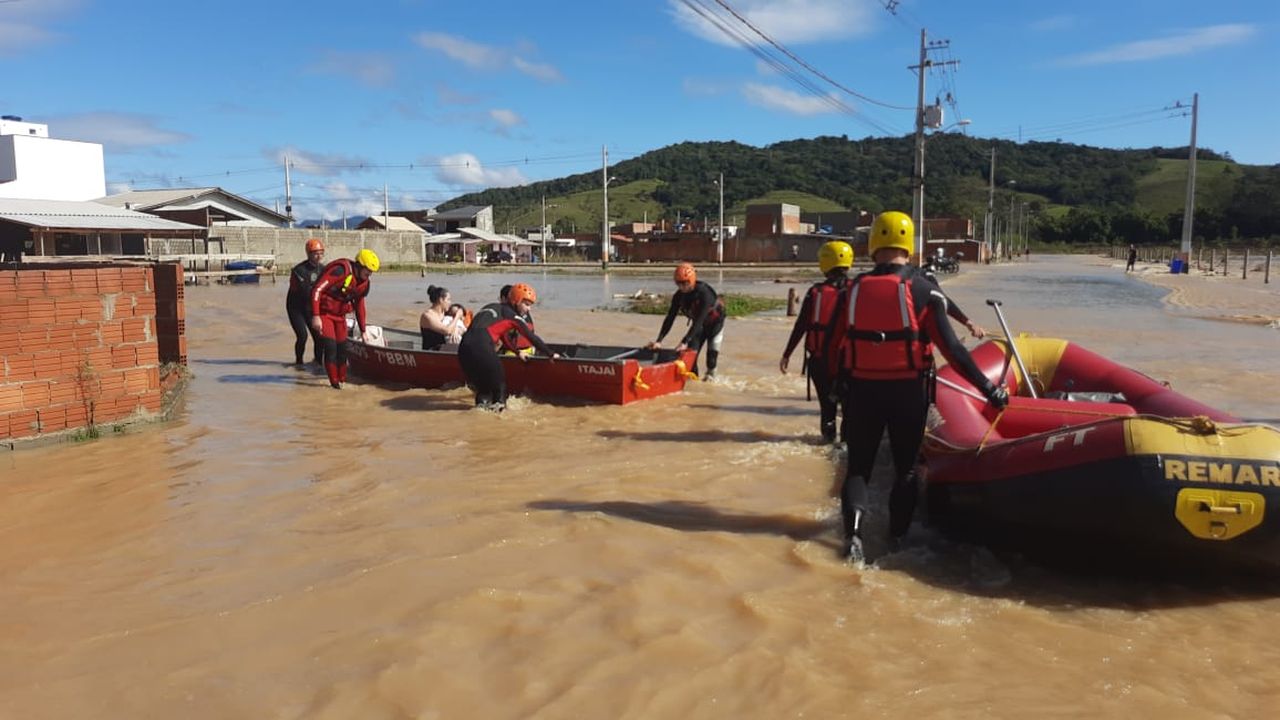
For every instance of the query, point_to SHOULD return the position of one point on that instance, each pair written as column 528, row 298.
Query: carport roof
column 72, row 215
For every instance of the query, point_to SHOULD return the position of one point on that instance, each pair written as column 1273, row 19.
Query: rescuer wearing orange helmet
column 297, row 303
column 478, row 351
column 884, row 328
column 813, row 323
column 341, row 289
column 697, row 301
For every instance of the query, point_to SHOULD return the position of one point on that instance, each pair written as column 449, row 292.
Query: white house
column 37, row 167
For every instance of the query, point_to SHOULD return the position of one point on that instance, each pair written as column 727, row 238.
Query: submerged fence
column 1214, row 261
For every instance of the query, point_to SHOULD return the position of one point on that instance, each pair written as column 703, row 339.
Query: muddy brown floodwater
column 282, row 550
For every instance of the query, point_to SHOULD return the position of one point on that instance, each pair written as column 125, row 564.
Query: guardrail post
column 1266, row 274
column 1244, row 272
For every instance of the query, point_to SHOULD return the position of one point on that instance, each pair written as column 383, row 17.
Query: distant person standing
column 814, row 323
column 697, row 301
column 297, row 304
column 1133, row 259
column 341, row 289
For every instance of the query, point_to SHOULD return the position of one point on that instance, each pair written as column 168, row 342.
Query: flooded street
column 282, row 550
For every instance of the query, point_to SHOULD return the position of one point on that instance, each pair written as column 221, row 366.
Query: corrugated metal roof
column 83, row 216
column 466, row 212
column 488, row 236
column 158, row 199
column 395, row 222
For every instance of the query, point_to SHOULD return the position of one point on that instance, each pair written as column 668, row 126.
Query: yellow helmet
column 368, row 259
column 892, row 230
column 835, row 254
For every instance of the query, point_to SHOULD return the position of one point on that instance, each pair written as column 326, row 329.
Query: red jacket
column 339, row 291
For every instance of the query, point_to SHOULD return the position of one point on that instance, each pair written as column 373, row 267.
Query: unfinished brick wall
column 80, row 345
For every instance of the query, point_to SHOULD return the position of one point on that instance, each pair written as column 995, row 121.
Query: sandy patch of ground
column 1218, row 297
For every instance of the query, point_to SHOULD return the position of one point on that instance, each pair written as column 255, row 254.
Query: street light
column 542, row 231
column 1010, row 228
column 720, row 228
column 917, row 205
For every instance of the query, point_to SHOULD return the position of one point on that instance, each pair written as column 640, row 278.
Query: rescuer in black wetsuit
column 697, row 301
column 885, row 325
column 297, row 302
column 814, row 322
column 478, row 355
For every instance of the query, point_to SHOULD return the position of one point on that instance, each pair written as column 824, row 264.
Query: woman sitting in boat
column 437, row 326
column 478, row 351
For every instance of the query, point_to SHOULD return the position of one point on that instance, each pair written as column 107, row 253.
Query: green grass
column 734, row 305
column 1164, row 191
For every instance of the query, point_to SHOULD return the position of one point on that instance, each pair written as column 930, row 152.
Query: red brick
column 133, row 279
column 30, row 284
column 144, row 305
column 4, row 426
column 10, row 397
column 91, row 309
column 13, row 312
column 41, row 311
column 148, row 354
column 57, row 276
column 84, row 282
column 8, row 284
column 53, row 419
column 34, row 339
column 67, row 310
column 111, row 333
column 62, row 337
column 140, row 380
column 96, row 361
column 48, row 365
column 85, row 336
column 122, row 307
column 62, row 392
column 124, row 357
column 77, row 415
column 135, row 330
column 151, row 401
column 35, row 395
column 71, row 364
column 20, row 367
column 109, row 280
column 22, row 423
column 9, row 341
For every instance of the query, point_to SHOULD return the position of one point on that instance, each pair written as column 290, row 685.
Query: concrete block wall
column 78, row 347
column 289, row 244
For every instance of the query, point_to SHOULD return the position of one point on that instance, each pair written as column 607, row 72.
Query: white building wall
column 42, row 168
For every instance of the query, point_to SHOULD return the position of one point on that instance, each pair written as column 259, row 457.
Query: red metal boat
column 1102, row 455
column 596, row 373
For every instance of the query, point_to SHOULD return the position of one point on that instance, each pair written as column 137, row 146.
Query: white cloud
column 487, row 57
column 695, row 87
column 119, row 132
column 1055, row 23
column 373, row 69
column 23, row 25
column 537, row 71
column 312, row 163
column 776, row 98
column 506, row 118
column 787, row 21
column 1183, row 43
column 465, row 171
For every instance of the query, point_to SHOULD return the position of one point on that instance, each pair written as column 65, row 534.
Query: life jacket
column 338, row 297
column 822, row 299
column 883, row 338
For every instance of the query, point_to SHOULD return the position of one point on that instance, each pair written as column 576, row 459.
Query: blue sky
column 439, row 97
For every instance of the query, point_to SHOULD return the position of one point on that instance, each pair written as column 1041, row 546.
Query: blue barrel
column 1175, row 266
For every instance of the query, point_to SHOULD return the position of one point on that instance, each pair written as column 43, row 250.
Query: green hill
column 1075, row 193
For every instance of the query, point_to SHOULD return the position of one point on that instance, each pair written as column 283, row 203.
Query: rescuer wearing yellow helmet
column 880, row 349
column 813, row 324
column 341, row 289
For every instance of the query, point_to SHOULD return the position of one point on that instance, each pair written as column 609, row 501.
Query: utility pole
column 604, row 221
column 1189, row 212
column 917, row 200
column 720, row 229
column 386, row 209
column 989, row 226
column 542, row 231
column 288, row 192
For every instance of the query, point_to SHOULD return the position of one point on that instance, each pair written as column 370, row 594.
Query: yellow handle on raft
column 682, row 370
column 638, row 384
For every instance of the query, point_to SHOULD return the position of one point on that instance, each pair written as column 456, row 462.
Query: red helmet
column 314, row 245
column 685, row 273
column 521, row 292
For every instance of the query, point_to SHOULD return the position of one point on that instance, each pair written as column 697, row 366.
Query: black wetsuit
column 432, row 340
column 706, row 314
column 478, row 355
column 298, row 306
column 814, row 333
column 897, row 405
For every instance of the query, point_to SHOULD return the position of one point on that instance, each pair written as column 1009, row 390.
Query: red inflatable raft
column 1103, row 456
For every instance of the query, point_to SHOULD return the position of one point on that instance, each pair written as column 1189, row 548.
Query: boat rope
column 638, row 384
column 682, row 370
column 1199, row 425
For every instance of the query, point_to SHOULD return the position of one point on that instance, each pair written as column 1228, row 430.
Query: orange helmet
column 314, row 245
column 685, row 273
column 521, row 292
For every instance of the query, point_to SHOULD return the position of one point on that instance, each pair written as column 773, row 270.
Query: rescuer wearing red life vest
column 341, row 289
column 813, row 323
column 697, row 301
column 478, row 351
column 881, row 346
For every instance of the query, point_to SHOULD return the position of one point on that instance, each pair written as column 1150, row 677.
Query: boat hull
column 1110, row 480
column 593, row 373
